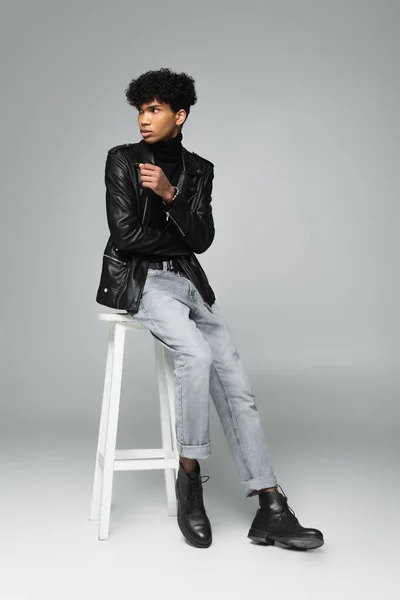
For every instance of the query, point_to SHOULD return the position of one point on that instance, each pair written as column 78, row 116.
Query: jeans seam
column 180, row 420
column 233, row 423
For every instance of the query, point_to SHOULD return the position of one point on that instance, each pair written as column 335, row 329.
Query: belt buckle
column 168, row 265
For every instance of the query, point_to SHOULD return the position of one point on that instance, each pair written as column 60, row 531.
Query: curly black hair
column 175, row 89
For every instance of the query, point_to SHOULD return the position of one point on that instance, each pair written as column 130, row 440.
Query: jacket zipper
column 145, row 208
column 171, row 217
column 116, row 259
column 126, row 280
column 125, row 285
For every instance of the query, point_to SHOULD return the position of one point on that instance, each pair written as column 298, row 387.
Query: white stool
column 108, row 458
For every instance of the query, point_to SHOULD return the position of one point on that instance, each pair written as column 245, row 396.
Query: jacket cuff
column 179, row 206
column 169, row 205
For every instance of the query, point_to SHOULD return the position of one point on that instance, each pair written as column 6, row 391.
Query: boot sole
column 301, row 543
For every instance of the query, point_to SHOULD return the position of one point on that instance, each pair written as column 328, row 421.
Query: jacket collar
column 190, row 165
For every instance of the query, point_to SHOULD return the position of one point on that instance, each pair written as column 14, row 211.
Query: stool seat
column 110, row 459
column 121, row 317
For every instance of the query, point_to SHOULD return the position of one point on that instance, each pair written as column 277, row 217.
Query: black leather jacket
column 189, row 230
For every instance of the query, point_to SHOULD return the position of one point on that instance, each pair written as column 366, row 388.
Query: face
column 158, row 118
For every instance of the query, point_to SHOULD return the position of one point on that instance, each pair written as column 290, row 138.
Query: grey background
column 298, row 110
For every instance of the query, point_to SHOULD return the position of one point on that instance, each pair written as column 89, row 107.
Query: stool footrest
column 143, row 458
column 145, row 463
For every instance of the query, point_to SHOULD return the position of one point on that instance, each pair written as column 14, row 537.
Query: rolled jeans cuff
column 259, row 483
column 203, row 451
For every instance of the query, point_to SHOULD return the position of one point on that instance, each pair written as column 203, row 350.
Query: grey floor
column 339, row 477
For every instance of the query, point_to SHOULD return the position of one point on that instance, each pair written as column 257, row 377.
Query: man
column 158, row 204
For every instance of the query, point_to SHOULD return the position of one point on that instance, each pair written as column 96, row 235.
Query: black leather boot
column 192, row 517
column 276, row 522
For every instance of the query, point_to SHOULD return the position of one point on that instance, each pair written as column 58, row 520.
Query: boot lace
column 196, row 490
column 285, row 507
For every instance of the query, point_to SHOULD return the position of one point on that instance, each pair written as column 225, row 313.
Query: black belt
column 166, row 265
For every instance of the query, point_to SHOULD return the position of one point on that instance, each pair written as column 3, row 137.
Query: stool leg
column 111, row 437
column 101, row 441
column 167, row 432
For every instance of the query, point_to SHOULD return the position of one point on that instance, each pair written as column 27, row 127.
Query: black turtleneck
column 168, row 156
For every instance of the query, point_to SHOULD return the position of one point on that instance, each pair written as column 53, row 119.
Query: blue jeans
column 207, row 363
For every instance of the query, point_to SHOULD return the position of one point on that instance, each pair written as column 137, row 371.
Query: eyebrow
column 154, row 106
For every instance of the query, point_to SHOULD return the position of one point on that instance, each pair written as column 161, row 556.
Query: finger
column 149, row 174
column 148, row 180
column 148, row 166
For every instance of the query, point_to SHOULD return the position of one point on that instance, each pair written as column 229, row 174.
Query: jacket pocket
column 114, row 273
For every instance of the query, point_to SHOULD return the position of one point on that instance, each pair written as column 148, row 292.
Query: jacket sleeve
column 195, row 226
column 127, row 231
